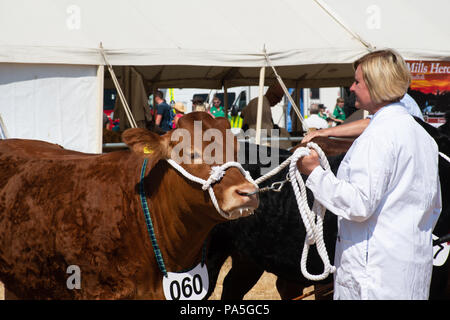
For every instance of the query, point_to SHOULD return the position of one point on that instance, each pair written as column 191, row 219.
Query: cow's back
column 59, row 208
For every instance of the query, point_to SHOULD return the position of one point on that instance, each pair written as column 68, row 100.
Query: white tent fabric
column 54, row 103
column 317, row 39
column 195, row 44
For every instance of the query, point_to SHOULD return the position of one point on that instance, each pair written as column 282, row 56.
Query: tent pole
column 260, row 103
column 298, row 123
column 119, row 90
column 286, row 92
column 225, row 99
column 100, row 87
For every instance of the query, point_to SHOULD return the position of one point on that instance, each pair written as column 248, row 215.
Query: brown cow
column 60, row 208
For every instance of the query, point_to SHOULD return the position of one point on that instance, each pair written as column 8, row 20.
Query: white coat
column 387, row 198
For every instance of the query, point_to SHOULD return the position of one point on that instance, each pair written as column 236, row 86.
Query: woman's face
column 359, row 87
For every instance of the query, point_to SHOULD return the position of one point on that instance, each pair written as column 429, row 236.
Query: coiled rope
column 312, row 219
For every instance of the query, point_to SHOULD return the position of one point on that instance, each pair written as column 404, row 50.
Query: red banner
column 430, row 86
column 430, row 76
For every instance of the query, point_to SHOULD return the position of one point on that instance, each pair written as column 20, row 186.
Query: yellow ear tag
column 147, row 150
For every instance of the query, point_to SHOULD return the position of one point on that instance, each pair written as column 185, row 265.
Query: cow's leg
column 243, row 275
column 289, row 290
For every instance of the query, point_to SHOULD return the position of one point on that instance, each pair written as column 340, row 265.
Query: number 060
column 186, row 289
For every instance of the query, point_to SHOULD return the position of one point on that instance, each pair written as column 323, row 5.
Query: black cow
column 273, row 238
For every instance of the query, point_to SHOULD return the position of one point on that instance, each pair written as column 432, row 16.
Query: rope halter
column 216, row 174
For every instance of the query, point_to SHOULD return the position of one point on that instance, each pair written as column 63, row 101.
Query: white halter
column 216, row 174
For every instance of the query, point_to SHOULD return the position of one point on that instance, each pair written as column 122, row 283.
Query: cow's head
column 198, row 144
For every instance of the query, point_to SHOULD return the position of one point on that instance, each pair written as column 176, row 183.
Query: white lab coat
column 387, row 198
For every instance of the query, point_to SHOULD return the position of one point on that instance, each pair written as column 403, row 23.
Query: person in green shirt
column 217, row 110
column 338, row 113
column 322, row 112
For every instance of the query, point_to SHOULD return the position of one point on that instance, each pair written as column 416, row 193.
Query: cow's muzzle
column 247, row 194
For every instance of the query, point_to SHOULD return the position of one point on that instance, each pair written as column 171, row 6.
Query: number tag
column 440, row 253
column 190, row 285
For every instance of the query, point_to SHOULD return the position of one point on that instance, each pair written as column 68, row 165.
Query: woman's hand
column 307, row 164
column 316, row 133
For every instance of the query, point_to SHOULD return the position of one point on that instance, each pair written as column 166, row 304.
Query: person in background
column 179, row 110
column 330, row 122
column 235, row 120
column 386, row 193
column 196, row 101
column 355, row 128
column 338, row 113
column 322, row 112
column 217, row 110
column 273, row 96
column 163, row 117
column 411, row 105
column 314, row 121
column 106, row 122
column 198, row 104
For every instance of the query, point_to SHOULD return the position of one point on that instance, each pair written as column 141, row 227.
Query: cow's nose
column 239, row 200
column 247, row 193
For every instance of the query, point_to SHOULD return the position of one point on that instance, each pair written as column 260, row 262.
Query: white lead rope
column 312, row 219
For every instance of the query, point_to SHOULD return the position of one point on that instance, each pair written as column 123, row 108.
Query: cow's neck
column 182, row 217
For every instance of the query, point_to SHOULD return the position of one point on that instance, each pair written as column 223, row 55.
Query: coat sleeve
column 364, row 180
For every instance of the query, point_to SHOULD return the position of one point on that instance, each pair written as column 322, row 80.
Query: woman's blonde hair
column 386, row 75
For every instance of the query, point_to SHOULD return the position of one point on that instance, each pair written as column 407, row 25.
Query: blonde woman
column 386, row 193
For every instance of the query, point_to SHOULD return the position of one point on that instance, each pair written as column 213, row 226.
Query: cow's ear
column 146, row 144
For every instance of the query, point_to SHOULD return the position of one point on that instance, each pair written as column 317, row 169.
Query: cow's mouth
column 241, row 212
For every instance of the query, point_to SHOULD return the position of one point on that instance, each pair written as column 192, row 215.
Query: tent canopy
column 210, row 43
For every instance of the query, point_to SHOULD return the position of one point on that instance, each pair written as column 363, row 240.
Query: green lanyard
column 151, row 230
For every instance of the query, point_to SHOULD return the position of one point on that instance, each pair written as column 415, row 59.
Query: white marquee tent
column 52, row 75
